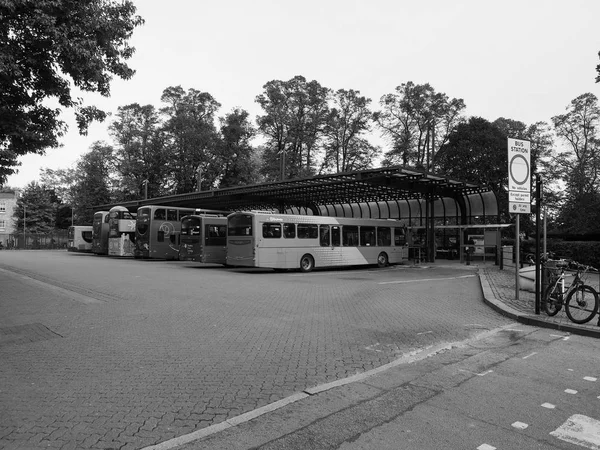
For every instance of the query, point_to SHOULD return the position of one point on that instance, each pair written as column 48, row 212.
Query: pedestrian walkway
column 499, row 292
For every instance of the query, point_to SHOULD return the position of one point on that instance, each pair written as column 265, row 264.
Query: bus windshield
column 240, row 225
column 190, row 226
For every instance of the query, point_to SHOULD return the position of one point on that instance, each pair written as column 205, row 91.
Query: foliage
column 36, row 207
column 139, row 156
column 235, row 152
column 584, row 252
column 417, row 120
column 579, row 166
column 45, row 47
column 190, row 138
column 346, row 148
column 295, row 115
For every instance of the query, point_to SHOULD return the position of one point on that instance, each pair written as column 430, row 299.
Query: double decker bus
column 121, row 231
column 203, row 238
column 100, row 233
column 79, row 238
column 157, row 231
column 282, row 241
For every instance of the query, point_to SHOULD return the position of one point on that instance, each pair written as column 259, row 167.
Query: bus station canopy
column 387, row 192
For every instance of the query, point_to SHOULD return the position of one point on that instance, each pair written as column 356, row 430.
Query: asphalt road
column 109, row 353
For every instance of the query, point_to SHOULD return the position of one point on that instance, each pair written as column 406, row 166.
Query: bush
column 584, row 252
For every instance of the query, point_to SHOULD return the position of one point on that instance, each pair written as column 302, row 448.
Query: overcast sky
column 524, row 60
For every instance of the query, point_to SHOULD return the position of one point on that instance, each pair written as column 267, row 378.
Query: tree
column 579, row 165
column 417, row 120
column 476, row 152
column 46, row 46
column 346, row 148
column 92, row 182
column 191, row 138
column 598, row 70
column 140, row 154
column 236, row 155
column 295, row 116
column 36, row 207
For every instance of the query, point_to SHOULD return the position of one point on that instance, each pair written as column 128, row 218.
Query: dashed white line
column 548, row 405
column 570, row 391
column 520, row 425
column 486, row 447
column 424, row 332
column 530, row 355
column 590, row 378
column 482, row 374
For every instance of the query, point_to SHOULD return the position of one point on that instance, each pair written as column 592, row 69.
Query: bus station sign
column 519, row 176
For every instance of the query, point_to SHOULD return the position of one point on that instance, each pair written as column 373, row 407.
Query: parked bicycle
column 580, row 300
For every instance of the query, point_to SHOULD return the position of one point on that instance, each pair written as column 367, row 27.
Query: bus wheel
column 382, row 260
column 307, row 263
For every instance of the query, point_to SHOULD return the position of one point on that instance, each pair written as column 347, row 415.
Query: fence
column 34, row 241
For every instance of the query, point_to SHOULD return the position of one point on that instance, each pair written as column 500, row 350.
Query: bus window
column 159, row 214
column 335, row 236
column 367, row 236
column 144, row 212
column 350, row 236
column 190, row 226
column 215, row 235
column 271, row 230
column 87, row 236
column 307, row 231
column 240, row 225
column 324, row 235
column 289, row 230
column 384, row 236
column 172, row 215
column 399, row 236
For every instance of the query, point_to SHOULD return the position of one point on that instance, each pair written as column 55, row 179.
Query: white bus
column 203, row 238
column 284, row 241
column 79, row 238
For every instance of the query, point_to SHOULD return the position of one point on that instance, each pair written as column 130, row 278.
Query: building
column 8, row 203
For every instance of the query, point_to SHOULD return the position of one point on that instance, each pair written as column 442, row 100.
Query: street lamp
column 24, row 219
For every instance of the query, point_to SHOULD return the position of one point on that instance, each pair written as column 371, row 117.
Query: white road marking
column 425, row 279
column 486, row 447
column 580, row 430
column 534, row 353
column 570, row 391
column 590, row 378
column 564, row 338
column 482, row 374
column 424, row 332
column 548, row 405
column 520, row 425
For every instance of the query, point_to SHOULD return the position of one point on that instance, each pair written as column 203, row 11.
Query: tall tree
column 476, row 152
column 139, row 155
column 92, row 184
column 236, row 154
column 36, row 207
column 417, row 120
column 191, row 138
column 295, row 114
column 579, row 165
column 46, row 47
column 346, row 147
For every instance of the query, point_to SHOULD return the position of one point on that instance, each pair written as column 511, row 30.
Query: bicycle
column 580, row 300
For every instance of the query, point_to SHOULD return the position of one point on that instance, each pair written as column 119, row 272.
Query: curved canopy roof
column 395, row 192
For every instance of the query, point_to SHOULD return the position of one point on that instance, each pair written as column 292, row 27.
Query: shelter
column 422, row 200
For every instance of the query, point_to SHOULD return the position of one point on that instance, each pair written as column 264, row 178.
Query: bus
column 203, row 238
column 282, row 241
column 121, row 231
column 100, row 233
column 157, row 231
column 80, row 238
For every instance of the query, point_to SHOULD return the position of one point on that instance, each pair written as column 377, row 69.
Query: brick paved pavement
column 499, row 292
column 105, row 353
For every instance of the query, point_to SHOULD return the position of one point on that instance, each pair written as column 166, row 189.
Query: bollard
column 468, row 257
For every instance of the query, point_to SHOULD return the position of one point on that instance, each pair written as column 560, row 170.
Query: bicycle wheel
column 552, row 300
column 582, row 304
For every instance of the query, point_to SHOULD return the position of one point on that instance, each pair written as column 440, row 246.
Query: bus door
column 330, row 240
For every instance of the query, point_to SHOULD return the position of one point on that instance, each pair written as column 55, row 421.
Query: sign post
column 519, row 190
